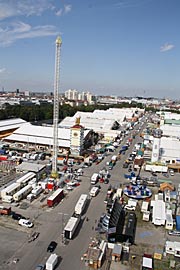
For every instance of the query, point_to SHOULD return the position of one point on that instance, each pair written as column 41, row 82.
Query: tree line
column 44, row 112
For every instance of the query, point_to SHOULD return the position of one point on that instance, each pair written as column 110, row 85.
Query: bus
column 71, row 227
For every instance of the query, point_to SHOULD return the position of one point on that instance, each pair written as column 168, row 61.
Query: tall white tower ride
column 157, row 134
column 56, row 106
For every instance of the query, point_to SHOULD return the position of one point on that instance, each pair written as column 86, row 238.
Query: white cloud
column 12, row 31
column 10, row 8
column 166, row 47
column 67, row 8
column 2, row 70
column 130, row 3
column 59, row 12
column 20, row 30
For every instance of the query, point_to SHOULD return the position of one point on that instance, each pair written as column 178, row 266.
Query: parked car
column 17, row 216
column 106, row 181
column 51, row 246
column 130, row 207
column 165, row 175
column 101, row 180
column 125, row 165
column 80, row 171
column 40, row 267
column 175, row 233
column 171, row 172
column 26, row 223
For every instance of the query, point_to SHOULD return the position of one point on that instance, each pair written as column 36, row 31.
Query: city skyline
column 109, row 47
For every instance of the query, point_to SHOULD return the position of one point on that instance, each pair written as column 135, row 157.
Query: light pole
column 62, row 226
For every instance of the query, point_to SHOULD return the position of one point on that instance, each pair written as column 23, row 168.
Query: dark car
column 17, row 216
column 106, row 181
column 52, row 246
column 125, row 165
column 40, row 267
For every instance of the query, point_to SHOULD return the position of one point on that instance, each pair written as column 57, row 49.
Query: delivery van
column 94, row 178
column 94, row 191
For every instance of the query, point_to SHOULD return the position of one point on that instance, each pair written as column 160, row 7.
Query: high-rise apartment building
column 75, row 95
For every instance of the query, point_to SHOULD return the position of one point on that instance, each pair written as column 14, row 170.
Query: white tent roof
column 11, row 123
column 170, row 130
column 170, row 148
column 41, row 135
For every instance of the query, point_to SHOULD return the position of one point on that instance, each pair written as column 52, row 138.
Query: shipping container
column 55, row 198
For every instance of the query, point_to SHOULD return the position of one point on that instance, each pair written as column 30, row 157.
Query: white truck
column 81, row 204
column 51, row 262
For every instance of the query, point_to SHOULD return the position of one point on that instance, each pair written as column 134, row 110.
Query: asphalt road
column 51, row 222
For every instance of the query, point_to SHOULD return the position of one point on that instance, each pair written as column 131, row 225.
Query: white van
column 52, row 262
column 94, row 178
column 94, row 191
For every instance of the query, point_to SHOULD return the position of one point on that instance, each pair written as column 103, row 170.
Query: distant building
column 74, row 95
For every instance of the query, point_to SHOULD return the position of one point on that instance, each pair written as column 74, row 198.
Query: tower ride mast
column 56, row 106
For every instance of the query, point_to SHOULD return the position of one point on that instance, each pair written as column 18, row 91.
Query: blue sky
column 110, row 47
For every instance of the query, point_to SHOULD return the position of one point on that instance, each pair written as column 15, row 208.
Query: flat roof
column 28, row 166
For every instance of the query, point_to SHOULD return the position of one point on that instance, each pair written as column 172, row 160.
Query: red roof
column 77, row 126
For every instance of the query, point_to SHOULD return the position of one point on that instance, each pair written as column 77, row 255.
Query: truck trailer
column 55, row 198
column 71, row 227
column 81, row 204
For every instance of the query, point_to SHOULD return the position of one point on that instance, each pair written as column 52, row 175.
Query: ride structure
column 54, row 173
